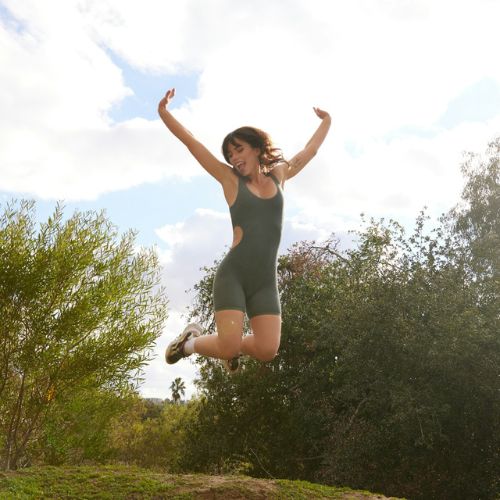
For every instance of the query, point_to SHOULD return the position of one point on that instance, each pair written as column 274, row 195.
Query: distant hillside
column 123, row 482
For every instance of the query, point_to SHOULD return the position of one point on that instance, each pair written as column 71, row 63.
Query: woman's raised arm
column 206, row 159
column 302, row 158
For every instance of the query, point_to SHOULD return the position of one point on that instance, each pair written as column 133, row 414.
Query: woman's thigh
column 266, row 329
column 230, row 327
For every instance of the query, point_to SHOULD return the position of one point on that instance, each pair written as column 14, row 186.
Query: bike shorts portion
column 247, row 283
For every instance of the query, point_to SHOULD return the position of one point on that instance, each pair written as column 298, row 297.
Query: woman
column 246, row 280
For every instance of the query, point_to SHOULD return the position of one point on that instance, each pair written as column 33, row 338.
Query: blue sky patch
column 10, row 21
column 146, row 207
column 148, row 89
column 409, row 131
column 353, row 148
column 477, row 103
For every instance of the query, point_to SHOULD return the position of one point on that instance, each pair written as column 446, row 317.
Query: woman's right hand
column 162, row 105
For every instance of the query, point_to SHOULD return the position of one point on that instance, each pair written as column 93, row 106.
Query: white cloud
column 56, row 140
column 375, row 65
column 389, row 178
column 76, row 165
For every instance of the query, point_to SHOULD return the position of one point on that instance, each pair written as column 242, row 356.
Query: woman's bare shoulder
column 279, row 171
column 230, row 186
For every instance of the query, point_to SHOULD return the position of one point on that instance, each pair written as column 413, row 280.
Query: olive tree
column 80, row 306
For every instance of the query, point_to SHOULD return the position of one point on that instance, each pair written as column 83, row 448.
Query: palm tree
column 178, row 388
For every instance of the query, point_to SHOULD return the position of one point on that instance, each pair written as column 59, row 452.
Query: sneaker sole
column 172, row 354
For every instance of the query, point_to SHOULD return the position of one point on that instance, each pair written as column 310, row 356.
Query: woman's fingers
column 167, row 98
column 321, row 113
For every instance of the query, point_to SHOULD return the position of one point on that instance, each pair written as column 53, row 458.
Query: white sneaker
column 175, row 349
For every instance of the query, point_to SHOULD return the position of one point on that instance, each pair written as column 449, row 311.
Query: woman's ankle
column 189, row 347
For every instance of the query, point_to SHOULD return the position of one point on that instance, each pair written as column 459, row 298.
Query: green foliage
column 80, row 309
column 158, row 441
column 77, row 428
column 387, row 376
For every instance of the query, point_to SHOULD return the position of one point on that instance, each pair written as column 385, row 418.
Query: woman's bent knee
column 266, row 354
column 229, row 350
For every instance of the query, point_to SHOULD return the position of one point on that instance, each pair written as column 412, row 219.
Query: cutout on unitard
column 237, row 236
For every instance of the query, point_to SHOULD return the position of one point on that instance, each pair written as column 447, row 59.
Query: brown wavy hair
column 269, row 156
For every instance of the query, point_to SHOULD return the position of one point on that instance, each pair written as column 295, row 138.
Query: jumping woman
column 246, row 280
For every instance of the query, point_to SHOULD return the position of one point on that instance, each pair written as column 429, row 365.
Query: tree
column 133, row 432
column 387, row 375
column 474, row 225
column 78, row 426
column 178, row 389
column 80, row 308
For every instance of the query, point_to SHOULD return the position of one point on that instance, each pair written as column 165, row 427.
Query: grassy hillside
column 120, row 482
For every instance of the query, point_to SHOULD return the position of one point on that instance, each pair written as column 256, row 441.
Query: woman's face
column 243, row 157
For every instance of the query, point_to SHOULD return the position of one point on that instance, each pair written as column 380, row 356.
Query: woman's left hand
column 321, row 114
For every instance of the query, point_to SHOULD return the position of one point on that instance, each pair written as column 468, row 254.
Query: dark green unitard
column 246, row 279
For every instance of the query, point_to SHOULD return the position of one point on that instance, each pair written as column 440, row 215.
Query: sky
column 411, row 85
